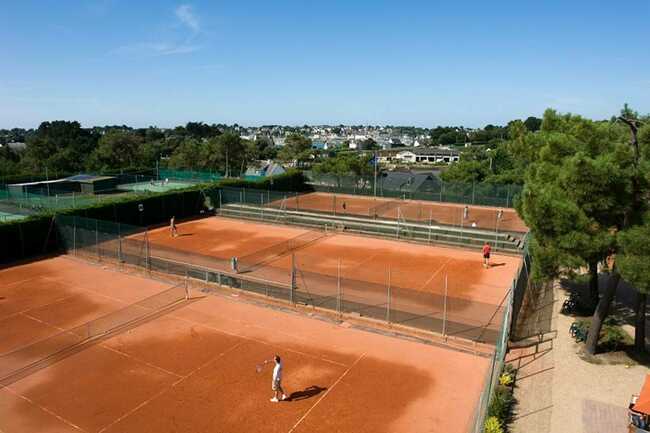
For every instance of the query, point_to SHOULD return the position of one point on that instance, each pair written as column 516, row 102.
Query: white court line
column 44, row 409
column 158, row 394
column 436, row 273
column 326, row 392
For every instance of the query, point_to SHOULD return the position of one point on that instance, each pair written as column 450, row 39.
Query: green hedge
column 21, row 239
column 31, row 236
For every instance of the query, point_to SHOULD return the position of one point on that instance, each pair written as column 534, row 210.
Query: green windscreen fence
column 189, row 175
column 416, row 187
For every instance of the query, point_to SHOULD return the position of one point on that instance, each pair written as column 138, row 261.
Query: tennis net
column 380, row 209
column 28, row 359
column 259, row 258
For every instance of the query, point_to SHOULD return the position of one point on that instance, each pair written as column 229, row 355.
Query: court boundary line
column 443, row 266
column 170, row 387
column 327, row 392
column 43, row 408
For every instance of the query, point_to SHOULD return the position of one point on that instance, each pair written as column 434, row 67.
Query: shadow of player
column 494, row 265
column 308, row 392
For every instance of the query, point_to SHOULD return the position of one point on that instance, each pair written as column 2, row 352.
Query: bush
column 501, row 403
column 612, row 336
column 493, row 425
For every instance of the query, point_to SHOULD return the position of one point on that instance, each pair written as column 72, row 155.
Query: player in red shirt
column 487, row 249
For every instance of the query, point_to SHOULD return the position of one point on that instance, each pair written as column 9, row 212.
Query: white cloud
column 187, row 17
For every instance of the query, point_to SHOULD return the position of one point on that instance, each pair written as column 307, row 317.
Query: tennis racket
column 260, row 367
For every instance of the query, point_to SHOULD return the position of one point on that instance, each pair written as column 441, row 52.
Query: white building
column 427, row 155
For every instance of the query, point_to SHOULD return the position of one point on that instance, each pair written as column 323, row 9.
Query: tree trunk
column 639, row 323
column 593, row 284
column 602, row 309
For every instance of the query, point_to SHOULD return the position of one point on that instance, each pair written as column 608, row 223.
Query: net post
column 444, row 311
column 388, row 296
column 338, row 287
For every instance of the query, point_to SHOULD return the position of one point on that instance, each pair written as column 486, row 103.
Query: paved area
column 561, row 391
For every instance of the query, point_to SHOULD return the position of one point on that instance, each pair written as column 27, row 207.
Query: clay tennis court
column 193, row 369
column 418, row 275
column 451, row 214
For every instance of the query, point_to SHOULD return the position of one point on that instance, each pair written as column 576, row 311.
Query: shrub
column 493, row 425
column 612, row 336
column 501, row 403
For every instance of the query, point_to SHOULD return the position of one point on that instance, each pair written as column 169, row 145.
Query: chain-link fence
column 402, row 219
column 391, row 295
column 416, row 186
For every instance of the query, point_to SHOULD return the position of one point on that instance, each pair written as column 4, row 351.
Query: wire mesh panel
column 411, row 186
column 15, row 364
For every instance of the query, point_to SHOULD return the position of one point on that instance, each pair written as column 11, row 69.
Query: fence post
column 473, row 191
column 119, row 243
column 241, row 196
column 338, row 287
column 388, row 297
column 74, row 235
column 430, row 222
column 97, row 239
column 146, row 250
column 444, row 311
column 220, row 204
column 293, row 277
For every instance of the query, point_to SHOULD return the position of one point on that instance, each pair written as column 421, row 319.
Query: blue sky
column 422, row 63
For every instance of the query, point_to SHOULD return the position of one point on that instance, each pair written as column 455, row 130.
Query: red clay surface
column 450, row 214
column 363, row 259
column 193, row 370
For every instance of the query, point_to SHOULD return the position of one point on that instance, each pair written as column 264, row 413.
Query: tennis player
column 466, row 212
column 276, row 385
column 172, row 227
column 487, row 249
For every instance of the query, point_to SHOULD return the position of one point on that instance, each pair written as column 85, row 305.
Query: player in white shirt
column 276, row 385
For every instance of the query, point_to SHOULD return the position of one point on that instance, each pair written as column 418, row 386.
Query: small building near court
column 90, row 184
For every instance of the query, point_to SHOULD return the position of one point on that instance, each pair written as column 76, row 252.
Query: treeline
column 65, row 147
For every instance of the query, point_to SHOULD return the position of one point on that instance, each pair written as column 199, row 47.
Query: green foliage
column 59, row 146
column 346, row 163
column 612, row 336
column 493, row 425
column 577, row 190
column 634, row 262
column 117, row 149
column 501, row 404
column 296, row 148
